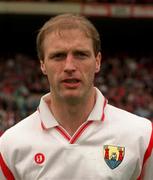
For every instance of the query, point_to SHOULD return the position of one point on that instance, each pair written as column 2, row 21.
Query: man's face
column 70, row 64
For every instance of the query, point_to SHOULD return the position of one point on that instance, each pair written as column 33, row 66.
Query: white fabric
column 84, row 159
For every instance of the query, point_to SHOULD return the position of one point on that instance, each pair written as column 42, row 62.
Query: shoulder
column 21, row 129
column 129, row 128
column 118, row 113
column 128, row 121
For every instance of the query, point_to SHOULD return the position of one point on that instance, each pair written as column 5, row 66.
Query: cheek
column 51, row 75
column 54, row 76
column 91, row 68
column 90, row 72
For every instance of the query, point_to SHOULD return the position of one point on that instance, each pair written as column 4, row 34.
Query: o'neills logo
column 39, row 158
column 113, row 155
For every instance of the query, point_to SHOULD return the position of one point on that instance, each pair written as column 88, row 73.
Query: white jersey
column 111, row 145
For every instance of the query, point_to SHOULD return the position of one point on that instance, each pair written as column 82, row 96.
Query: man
column 75, row 134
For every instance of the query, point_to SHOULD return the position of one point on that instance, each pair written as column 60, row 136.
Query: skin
column 70, row 65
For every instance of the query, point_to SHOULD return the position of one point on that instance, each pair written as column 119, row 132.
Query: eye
column 81, row 55
column 58, row 56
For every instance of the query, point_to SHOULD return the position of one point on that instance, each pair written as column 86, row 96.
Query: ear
column 98, row 62
column 42, row 67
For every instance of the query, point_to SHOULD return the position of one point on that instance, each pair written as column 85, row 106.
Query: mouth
column 71, row 80
column 71, row 83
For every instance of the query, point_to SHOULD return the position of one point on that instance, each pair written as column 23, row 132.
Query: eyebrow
column 54, row 53
column 81, row 51
column 66, row 51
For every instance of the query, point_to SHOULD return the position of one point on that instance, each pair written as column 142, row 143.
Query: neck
column 71, row 117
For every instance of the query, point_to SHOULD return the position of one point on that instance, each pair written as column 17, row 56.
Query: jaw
column 74, row 96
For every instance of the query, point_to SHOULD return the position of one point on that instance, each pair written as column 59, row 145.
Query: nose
column 69, row 64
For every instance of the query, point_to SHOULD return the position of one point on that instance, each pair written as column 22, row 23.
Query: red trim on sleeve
column 148, row 153
column 6, row 171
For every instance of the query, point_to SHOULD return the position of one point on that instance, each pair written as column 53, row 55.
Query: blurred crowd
column 128, row 83
column 91, row 1
column 21, row 85
column 125, row 81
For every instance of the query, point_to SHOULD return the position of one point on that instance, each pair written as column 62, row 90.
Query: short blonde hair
column 64, row 22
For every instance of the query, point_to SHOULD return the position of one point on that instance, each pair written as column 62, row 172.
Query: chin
column 72, row 98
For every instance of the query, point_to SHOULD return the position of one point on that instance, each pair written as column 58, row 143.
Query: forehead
column 67, row 37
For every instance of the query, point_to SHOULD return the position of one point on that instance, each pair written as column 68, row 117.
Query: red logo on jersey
column 39, row 158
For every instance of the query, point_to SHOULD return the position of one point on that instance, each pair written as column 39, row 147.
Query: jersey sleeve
column 147, row 169
column 5, row 172
column 2, row 177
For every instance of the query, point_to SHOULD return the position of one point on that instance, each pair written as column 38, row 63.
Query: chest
column 93, row 156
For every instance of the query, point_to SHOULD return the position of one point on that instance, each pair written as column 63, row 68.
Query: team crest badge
column 113, row 155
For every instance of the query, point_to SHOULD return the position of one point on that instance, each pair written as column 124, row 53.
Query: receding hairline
column 67, row 22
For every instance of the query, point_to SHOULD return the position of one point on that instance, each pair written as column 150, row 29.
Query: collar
column 46, row 116
column 49, row 121
column 97, row 114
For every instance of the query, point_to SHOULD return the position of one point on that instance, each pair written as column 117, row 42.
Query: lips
column 71, row 82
